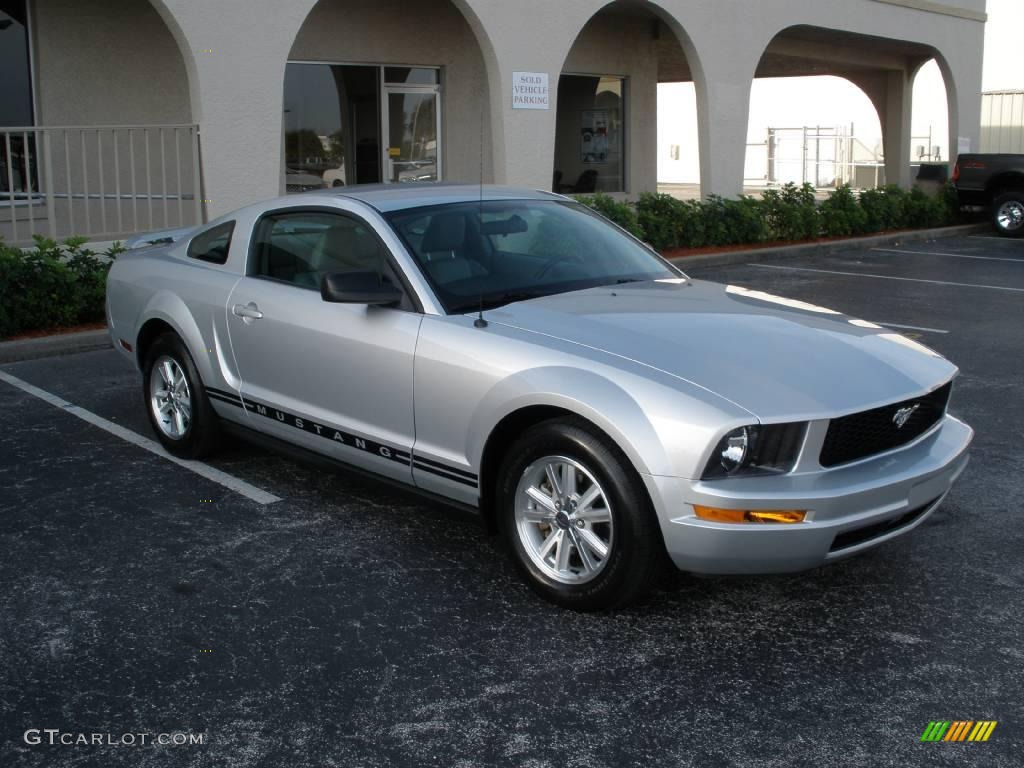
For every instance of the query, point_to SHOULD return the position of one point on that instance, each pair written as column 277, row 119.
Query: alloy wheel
column 170, row 398
column 1011, row 215
column 564, row 520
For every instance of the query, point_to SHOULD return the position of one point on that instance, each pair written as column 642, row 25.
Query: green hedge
column 790, row 213
column 52, row 285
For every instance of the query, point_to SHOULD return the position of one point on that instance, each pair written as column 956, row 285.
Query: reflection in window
column 588, row 138
column 410, row 75
column 412, row 136
column 15, row 75
column 17, row 165
column 299, row 248
column 332, row 126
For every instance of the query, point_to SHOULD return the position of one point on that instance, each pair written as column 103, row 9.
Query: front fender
column 584, row 393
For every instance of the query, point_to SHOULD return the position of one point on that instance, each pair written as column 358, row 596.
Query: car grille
column 859, row 435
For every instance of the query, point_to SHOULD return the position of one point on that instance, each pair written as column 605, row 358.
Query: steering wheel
column 550, row 264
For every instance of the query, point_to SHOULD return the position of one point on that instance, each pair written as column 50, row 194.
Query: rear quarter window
column 213, row 244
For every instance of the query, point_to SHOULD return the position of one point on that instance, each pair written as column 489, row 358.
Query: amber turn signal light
column 750, row 515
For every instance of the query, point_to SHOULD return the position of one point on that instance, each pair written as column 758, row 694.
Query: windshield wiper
column 493, row 302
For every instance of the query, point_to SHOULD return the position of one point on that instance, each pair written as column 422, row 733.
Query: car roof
column 397, row 197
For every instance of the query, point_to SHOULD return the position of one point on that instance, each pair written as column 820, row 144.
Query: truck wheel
column 177, row 405
column 576, row 518
column 1008, row 214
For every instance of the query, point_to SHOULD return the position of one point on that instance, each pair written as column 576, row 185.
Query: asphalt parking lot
column 350, row 625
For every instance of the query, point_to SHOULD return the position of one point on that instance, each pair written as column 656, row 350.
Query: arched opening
column 817, row 129
column 607, row 135
column 385, row 92
column 105, row 145
column 930, row 150
column 847, row 107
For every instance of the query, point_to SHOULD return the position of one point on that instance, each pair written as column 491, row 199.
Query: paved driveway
column 350, row 625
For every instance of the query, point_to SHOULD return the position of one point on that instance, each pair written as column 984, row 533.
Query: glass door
column 412, row 130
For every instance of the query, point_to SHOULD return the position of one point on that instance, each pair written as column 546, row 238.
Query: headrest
column 340, row 240
column 446, row 232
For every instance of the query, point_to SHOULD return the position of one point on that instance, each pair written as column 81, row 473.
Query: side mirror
column 358, row 288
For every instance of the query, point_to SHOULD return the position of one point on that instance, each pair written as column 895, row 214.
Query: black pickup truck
column 997, row 183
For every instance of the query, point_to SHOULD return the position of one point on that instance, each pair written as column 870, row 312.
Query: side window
column 213, row 244
column 300, row 247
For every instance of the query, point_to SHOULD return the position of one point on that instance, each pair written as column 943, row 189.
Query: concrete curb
column 53, row 346
column 824, row 248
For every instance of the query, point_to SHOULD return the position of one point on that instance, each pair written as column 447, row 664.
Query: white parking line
column 950, row 255
column 994, row 237
column 888, row 277
column 204, row 470
column 912, row 327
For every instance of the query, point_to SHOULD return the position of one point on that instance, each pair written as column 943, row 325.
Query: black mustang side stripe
column 445, row 473
column 225, row 397
column 315, row 428
column 332, row 433
column 446, row 468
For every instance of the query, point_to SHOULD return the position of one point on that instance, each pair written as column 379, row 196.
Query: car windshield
column 490, row 253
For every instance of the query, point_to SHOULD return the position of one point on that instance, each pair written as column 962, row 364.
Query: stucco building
column 124, row 115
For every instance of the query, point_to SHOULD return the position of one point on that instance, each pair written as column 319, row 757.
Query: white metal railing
column 98, row 181
column 825, row 157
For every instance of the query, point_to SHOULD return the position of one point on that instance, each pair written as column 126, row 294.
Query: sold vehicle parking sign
column 530, row 90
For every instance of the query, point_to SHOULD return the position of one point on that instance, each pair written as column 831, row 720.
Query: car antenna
column 480, row 322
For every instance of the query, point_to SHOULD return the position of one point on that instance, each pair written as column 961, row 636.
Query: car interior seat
column 451, row 248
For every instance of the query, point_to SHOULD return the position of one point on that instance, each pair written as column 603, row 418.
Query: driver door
column 334, row 378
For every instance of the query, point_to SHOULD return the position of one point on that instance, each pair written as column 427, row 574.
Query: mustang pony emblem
column 902, row 416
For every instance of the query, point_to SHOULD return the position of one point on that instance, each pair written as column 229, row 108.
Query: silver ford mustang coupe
column 512, row 352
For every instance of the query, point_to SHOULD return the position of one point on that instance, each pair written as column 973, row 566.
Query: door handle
column 248, row 312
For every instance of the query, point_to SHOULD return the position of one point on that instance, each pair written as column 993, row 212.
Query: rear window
column 213, row 244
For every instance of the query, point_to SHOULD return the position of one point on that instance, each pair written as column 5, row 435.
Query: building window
column 17, row 162
column 589, row 134
column 15, row 70
column 354, row 124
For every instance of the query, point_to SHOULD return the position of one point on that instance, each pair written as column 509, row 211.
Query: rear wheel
column 576, row 518
column 177, row 405
column 1008, row 214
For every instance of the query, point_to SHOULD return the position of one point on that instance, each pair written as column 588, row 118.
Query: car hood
column 779, row 359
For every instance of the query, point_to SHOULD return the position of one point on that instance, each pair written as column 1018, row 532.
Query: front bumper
column 850, row 508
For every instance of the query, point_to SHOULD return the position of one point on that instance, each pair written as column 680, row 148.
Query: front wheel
column 577, row 519
column 178, row 408
column 1008, row 214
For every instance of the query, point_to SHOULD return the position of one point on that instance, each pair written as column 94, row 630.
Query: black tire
column 202, row 434
column 636, row 559
column 1008, row 214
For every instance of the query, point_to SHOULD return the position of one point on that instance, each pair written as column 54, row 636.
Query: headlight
column 756, row 450
column 734, row 449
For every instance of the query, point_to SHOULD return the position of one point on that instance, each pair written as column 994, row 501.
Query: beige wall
column 101, row 62
column 114, row 62
column 428, row 32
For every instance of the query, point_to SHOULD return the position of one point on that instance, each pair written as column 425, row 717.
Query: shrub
column 662, row 220
column 730, row 222
column 885, row 207
column 791, row 213
column 747, row 217
column 951, row 202
column 619, row 212
column 842, row 215
column 924, row 210
column 52, row 285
